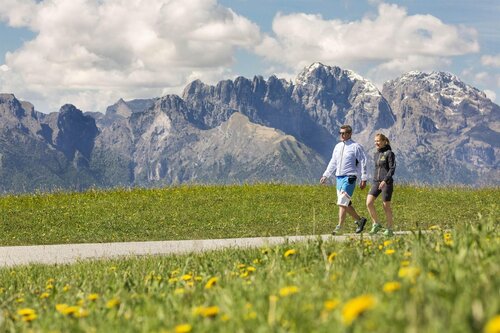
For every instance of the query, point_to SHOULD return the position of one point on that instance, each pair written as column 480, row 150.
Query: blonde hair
column 383, row 138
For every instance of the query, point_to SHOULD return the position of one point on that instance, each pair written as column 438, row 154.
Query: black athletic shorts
column 386, row 191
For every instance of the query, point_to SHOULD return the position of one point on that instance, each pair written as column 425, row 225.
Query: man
column 347, row 158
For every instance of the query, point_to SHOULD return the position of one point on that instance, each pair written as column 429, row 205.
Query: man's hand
column 362, row 185
column 323, row 180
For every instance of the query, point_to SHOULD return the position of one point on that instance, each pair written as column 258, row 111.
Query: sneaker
column 375, row 228
column 361, row 225
column 337, row 230
column 388, row 233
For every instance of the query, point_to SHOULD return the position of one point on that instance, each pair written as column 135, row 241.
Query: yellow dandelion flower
column 112, row 303
column 380, row 247
column 387, row 243
column 50, row 281
column 186, row 277
column 410, row 273
column 390, row 251
column 80, row 302
column 331, row 304
column 69, row 310
column 61, row 307
column 405, row 263
column 251, row 269
column 29, row 317
column 44, row 295
column 211, row 282
column 256, row 261
column 112, row 269
column 93, row 297
column 198, row 278
column 493, row 325
column 290, row 252
column 173, row 280
column 26, row 312
column 20, row 300
column 332, row 256
column 391, row 287
column 434, row 227
column 357, row 306
column 210, row 311
column 49, row 286
column 265, row 251
column 183, row 328
column 244, row 274
column 81, row 313
column 289, row 290
column 66, row 288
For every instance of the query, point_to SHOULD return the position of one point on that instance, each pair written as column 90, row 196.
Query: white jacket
column 348, row 159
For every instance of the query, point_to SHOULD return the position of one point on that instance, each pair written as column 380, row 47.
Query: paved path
column 68, row 253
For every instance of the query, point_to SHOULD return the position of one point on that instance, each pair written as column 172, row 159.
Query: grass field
column 443, row 281
column 201, row 212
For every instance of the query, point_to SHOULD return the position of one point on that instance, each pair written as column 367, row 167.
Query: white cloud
column 491, row 60
column 96, row 51
column 391, row 38
column 4, row 68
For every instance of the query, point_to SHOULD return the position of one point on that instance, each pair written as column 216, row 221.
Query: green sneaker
column 337, row 230
column 388, row 233
column 375, row 228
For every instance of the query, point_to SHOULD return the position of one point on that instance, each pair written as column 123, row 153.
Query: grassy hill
column 202, row 212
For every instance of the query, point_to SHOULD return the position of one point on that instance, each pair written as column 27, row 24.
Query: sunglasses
column 342, row 133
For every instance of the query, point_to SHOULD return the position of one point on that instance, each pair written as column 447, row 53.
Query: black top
column 385, row 165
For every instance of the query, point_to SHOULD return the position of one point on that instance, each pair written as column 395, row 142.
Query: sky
column 91, row 53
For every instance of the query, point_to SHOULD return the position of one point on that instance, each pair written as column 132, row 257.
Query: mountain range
column 442, row 130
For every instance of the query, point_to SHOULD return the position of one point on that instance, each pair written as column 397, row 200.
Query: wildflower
column 198, row 278
column 211, row 282
column 112, row 303
column 175, row 272
column 390, row 251
column 49, row 286
column 256, row 261
column 392, row 286
column 186, row 277
column 93, row 297
column 411, row 273
column 493, row 325
column 61, row 307
column 447, row 239
column 331, row 304
column 265, row 251
column 380, row 247
column 25, row 312
column 434, row 227
column 44, row 295
column 112, row 269
column 387, row 243
column 356, row 307
column 210, row 311
column 183, row 328
column 66, row 288
column 81, row 313
column 332, row 256
column 69, row 310
column 290, row 252
column 287, row 291
column 405, row 263
column 251, row 269
column 173, row 280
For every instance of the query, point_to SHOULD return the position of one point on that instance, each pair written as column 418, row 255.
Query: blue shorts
column 345, row 189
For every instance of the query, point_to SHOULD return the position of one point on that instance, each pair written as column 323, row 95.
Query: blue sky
column 92, row 52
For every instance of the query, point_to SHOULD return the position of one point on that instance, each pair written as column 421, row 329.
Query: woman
column 385, row 165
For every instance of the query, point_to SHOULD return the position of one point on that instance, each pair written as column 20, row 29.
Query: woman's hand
column 381, row 185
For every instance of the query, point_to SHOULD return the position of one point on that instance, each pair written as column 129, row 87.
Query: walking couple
column 349, row 160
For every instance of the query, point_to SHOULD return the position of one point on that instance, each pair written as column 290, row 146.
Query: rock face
column 446, row 131
column 442, row 130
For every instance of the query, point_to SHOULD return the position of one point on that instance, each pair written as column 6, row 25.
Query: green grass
column 202, row 212
column 443, row 282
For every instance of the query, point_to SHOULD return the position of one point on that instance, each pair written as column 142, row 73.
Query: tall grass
column 201, row 212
